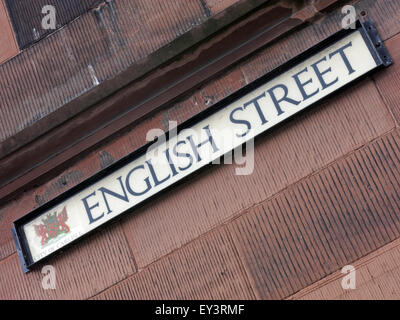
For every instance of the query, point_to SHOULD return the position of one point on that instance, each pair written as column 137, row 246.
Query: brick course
column 8, row 47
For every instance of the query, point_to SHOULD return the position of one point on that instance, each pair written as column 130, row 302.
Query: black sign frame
column 375, row 46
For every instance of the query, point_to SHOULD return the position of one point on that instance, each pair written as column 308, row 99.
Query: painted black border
column 374, row 44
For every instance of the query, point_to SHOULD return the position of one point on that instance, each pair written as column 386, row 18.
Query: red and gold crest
column 53, row 226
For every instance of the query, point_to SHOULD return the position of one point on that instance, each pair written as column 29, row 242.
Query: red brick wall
column 8, row 44
column 324, row 194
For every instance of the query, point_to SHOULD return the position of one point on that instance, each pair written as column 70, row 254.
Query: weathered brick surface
column 207, row 268
column 323, row 223
column 376, row 277
column 384, row 14
column 388, row 81
column 81, row 272
column 8, row 45
column 217, row 6
column 290, row 153
column 289, row 47
column 320, row 30
column 134, row 101
column 93, row 48
column 9, row 213
column 204, row 97
column 321, row 5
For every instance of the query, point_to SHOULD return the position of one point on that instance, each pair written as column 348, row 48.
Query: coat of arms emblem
column 52, row 227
